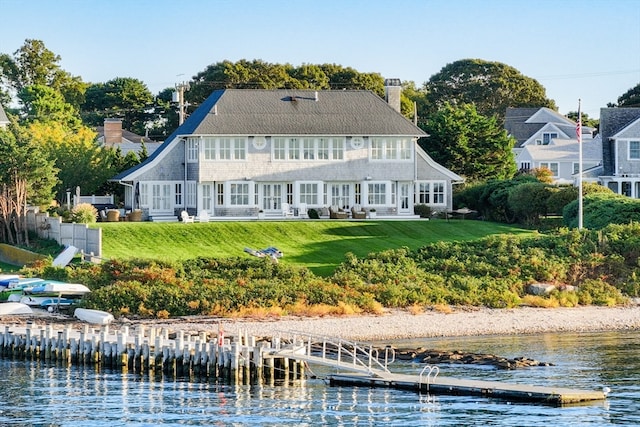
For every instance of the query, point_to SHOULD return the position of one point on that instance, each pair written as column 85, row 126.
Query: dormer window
column 548, row 136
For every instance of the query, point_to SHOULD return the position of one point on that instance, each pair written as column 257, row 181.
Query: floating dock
column 243, row 359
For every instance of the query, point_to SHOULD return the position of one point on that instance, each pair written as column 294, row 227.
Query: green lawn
column 319, row 245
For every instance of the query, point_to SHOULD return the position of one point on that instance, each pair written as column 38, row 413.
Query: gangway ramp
column 362, row 365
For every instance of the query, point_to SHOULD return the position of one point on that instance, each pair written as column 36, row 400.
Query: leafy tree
column 469, row 144
column 411, row 94
column 123, row 97
column 586, row 120
column 27, row 177
column 41, row 103
column 491, row 86
column 77, row 156
column 34, row 64
column 630, row 98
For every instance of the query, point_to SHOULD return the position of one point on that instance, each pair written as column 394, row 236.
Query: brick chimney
column 112, row 131
column 392, row 92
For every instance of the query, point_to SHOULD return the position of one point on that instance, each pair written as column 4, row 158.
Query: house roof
column 130, row 141
column 289, row 112
column 565, row 150
column 298, row 112
column 523, row 123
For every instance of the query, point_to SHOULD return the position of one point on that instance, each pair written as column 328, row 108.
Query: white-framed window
column 377, row 147
column 337, row 148
column 309, row 193
column 178, row 194
column 239, row 194
column 323, row 148
column 405, row 149
column 525, row 166
column 634, row 150
column 207, row 197
column 294, row 149
column 190, row 196
column 377, row 193
column 220, row 193
column 209, row 148
column 552, row 166
column 144, row 193
column 308, row 149
column 192, row 149
column 225, row 149
column 431, row 193
column 239, row 149
column 391, row 149
column 438, row 193
column 548, row 136
column 279, row 149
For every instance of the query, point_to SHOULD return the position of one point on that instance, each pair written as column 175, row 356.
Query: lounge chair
column 358, row 213
column 203, row 216
column 337, row 213
column 186, row 217
column 287, row 211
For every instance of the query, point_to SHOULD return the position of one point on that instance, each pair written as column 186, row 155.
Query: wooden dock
column 237, row 359
column 241, row 359
column 461, row 387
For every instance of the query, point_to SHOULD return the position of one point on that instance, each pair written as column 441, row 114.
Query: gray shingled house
column 282, row 152
column 547, row 139
column 620, row 132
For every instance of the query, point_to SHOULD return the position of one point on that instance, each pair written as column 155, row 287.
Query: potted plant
column 372, row 213
column 260, row 214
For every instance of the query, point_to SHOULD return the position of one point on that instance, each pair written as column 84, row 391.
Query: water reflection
column 39, row 394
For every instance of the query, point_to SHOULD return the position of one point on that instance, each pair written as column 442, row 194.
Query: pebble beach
column 394, row 324
column 399, row 324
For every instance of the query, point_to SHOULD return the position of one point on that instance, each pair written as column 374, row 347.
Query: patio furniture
column 287, row 210
column 184, row 215
column 358, row 213
column 337, row 213
column 113, row 215
column 203, row 216
column 135, row 215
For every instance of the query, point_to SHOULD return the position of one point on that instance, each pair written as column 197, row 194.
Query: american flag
column 579, row 126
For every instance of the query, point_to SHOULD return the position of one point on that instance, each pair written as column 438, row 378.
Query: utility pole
column 178, row 96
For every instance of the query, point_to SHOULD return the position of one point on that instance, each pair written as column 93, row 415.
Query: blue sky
column 584, row 49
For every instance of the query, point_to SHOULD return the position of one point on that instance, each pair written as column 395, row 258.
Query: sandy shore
column 399, row 324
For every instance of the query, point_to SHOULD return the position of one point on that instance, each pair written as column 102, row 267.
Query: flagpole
column 579, row 133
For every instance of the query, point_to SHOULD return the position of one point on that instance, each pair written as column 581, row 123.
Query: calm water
column 37, row 394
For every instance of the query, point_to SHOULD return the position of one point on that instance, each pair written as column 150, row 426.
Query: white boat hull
column 11, row 308
column 95, row 317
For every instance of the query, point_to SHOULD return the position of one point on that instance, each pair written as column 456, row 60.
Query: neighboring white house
column 112, row 135
column 547, row 139
column 247, row 150
column 620, row 131
column 4, row 120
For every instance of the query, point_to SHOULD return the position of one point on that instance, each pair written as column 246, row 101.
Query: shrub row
column 492, row 272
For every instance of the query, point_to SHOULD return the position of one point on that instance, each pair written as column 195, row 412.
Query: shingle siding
column 613, row 120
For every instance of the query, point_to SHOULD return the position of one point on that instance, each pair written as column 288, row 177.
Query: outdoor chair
column 337, row 213
column 113, row 215
column 203, row 216
column 358, row 213
column 287, row 211
column 186, row 218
